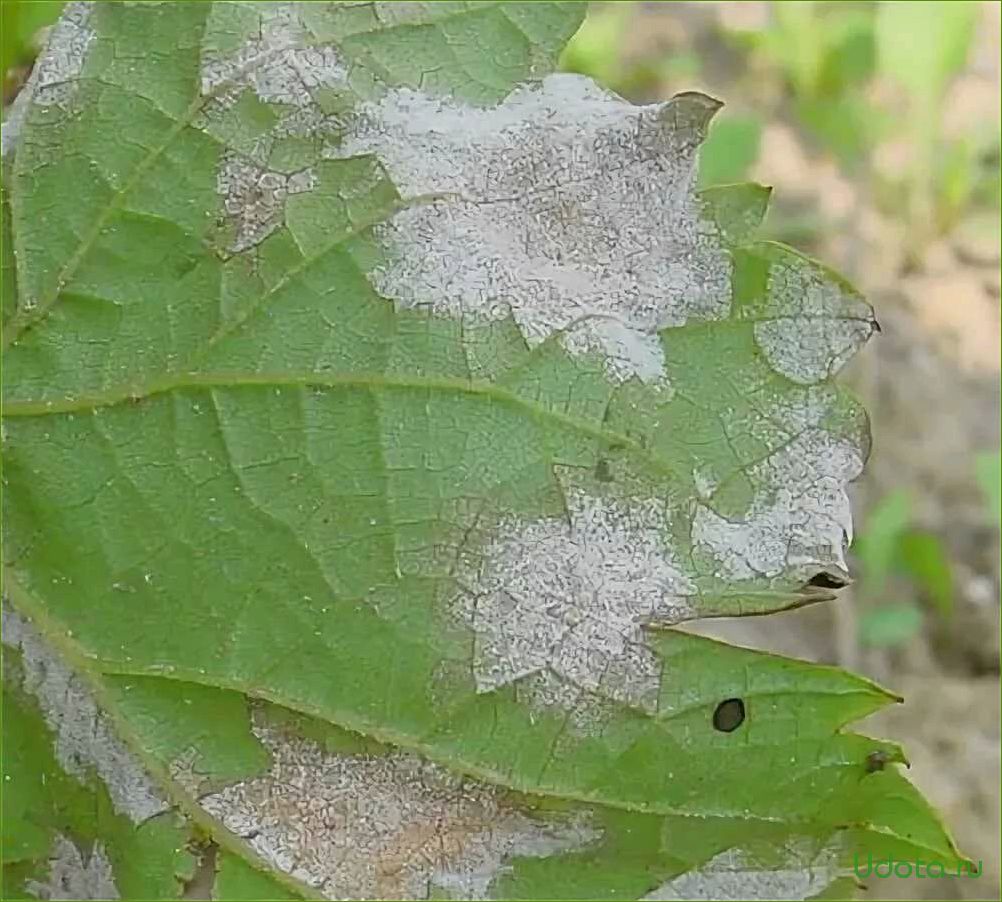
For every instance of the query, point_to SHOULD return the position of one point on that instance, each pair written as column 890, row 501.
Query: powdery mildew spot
column 566, row 205
column 60, row 65
column 804, row 408
column 583, row 712
column 280, row 66
column 389, row 826
column 84, row 738
column 705, row 480
column 569, row 596
column 821, row 326
column 392, row 13
column 800, row 518
column 254, row 198
column 729, row 876
column 627, row 351
column 71, row 877
column 277, row 63
column 184, row 772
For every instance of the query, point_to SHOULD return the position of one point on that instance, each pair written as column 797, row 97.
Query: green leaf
column 797, row 40
column 596, row 48
column 730, row 150
column 877, row 547
column 850, row 59
column 375, row 409
column 738, row 210
column 890, row 625
column 8, row 272
column 72, row 826
column 925, row 559
column 848, row 126
column 237, row 880
column 923, row 45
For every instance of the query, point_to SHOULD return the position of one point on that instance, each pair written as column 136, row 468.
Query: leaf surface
column 377, row 406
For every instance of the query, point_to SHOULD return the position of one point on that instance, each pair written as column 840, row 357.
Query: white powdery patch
column 255, row 198
column 84, row 738
column 729, row 876
column 280, row 66
column 706, row 481
column 800, row 518
column 566, row 206
column 803, row 408
column 583, row 713
column 184, row 772
column 389, row 826
column 70, row 877
column 278, row 63
column 60, row 65
column 569, row 596
column 821, row 326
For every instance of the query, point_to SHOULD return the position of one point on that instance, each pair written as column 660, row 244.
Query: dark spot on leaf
column 602, row 471
column 730, row 714
column 824, row 580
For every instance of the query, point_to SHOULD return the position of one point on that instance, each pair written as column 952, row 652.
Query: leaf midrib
column 86, row 667
column 94, row 670
column 93, row 673
column 25, row 318
column 208, row 380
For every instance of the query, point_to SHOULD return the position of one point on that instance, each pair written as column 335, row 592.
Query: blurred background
column 878, row 125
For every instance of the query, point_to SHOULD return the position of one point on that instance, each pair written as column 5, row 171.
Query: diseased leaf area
column 376, row 407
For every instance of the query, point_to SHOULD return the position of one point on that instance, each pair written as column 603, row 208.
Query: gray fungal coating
column 84, row 738
column 52, row 78
column 819, row 324
column 74, row 875
column 730, row 875
column 254, row 198
column 563, row 203
column 60, row 66
column 279, row 65
column 383, row 826
column 277, row 61
column 569, row 596
column 800, row 518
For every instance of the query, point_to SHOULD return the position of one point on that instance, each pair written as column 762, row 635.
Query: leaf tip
column 696, row 107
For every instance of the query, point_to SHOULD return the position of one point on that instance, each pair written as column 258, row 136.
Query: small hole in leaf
column 824, row 580
column 730, row 714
